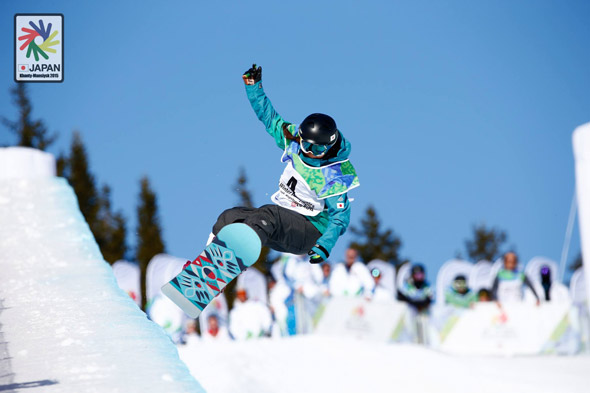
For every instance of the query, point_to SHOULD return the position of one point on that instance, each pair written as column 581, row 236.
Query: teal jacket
column 333, row 221
column 460, row 300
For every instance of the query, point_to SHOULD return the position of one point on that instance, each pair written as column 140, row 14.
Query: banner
column 127, row 276
column 254, row 283
column 161, row 269
column 481, row 276
column 160, row 309
column 581, row 142
column 514, row 329
column 578, row 296
column 362, row 319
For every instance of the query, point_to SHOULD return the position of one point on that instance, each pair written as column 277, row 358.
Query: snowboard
column 233, row 250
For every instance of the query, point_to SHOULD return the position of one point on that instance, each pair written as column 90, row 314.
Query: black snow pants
column 280, row 229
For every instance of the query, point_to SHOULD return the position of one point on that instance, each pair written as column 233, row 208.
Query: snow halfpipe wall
column 64, row 323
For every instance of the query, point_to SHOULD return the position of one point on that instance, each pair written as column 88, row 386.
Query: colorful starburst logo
column 38, row 31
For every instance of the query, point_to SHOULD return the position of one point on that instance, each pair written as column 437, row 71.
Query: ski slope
column 316, row 364
column 65, row 326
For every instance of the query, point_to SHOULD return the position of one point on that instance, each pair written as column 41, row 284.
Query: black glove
column 253, row 75
column 318, row 254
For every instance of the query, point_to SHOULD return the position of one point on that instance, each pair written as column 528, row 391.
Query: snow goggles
column 315, row 149
column 459, row 285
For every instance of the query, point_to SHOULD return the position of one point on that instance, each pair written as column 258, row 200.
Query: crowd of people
column 296, row 289
column 510, row 284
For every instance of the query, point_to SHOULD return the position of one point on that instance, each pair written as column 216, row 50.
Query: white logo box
column 42, row 39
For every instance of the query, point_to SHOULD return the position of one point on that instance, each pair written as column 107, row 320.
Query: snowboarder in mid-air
column 311, row 209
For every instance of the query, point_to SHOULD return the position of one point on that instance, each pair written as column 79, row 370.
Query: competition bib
column 295, row 194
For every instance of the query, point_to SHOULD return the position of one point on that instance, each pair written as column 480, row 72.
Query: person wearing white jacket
column 215, row 330
column 351, row 278
column 303, row 277
column 379, row 291
column 248, row 318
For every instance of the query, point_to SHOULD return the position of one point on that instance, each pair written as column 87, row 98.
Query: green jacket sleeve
column 267, row 114
column 339, row 218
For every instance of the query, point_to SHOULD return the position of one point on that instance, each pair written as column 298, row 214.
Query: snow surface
column 65, row 324
column 25, row 162
column 328, row 364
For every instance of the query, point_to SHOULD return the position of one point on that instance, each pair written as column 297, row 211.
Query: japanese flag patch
column 340, row 205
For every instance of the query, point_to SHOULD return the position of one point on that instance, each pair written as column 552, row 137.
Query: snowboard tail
column 233, row 250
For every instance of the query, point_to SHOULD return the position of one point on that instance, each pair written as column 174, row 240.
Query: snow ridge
column 68, row 326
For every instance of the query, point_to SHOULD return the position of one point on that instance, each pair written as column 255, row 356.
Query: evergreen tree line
column 486, row 243
column 109, row 227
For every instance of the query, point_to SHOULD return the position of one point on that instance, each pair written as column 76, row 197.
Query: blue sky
column 458, row 113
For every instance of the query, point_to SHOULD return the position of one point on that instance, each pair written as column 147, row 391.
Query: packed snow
column 65, row 325
column 328, row 364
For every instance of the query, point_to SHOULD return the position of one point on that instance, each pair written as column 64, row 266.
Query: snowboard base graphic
column 235, row 248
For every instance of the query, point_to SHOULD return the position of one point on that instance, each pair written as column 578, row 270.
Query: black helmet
column 318, row 129
column 417, row 268
column 460, row 277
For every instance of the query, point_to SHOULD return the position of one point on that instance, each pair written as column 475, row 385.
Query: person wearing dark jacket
column 416, row 291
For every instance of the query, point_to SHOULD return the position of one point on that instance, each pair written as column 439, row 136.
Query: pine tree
column 149, row 232
column 242, row 189
column 374, row 243
column 111, row 229
column 30, row 133
column 76, row 170
column 108, row 228
column 61, row 164
column 485, row 244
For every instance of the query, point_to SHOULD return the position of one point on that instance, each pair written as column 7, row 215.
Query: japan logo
column 38, row 31
column 38, row 48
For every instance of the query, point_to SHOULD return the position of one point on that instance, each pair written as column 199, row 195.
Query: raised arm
column 263, row 108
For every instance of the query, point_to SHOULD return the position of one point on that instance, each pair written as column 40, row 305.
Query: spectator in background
column 549, row 289
column 218, row 306
column 379, row 291
column 278, row 295
column 416, row 291
column 510, row 282
column 325, row 283
column 351, row 278
column 215, row 331
column 302, row 276
column 249, row 319
column 546, row 282
column 484, row 295
column 458, row 294
column 190, row 335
